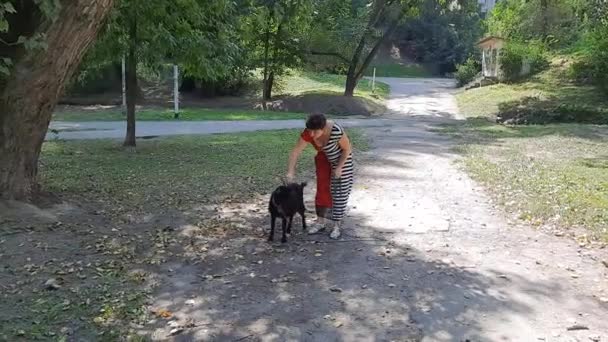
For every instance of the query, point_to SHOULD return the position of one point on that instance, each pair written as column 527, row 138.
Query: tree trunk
column 268, row 85
column 265, row 94
column 351, row 75
column 131, row 82
column 544, row 19
column 29, row 94
column 354, row 71
column 370, row 56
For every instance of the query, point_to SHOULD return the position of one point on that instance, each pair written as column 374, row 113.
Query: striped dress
column 340, row 187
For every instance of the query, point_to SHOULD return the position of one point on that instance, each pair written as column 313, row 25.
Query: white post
column 124, row 87
column 374, row 81
column 175, row 91
column 483, row 63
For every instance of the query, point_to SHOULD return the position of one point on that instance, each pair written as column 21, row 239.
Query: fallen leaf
column 163, row 313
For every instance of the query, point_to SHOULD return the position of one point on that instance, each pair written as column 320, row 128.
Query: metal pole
column 374, row 81
column 175, row 91
column 124, row 87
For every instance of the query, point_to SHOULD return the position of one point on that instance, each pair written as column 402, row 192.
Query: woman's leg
column 340, row 190
column 323, row 200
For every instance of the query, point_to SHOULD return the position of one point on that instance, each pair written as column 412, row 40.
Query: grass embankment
column 554, row 175
column 311, row 92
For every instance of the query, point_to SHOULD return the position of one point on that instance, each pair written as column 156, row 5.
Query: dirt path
column 425, row 256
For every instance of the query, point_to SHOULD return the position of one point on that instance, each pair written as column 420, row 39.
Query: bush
column 513, row 56
column 467, row 71
column 593, row 65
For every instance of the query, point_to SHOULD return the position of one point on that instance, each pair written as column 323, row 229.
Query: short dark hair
column 316, row 121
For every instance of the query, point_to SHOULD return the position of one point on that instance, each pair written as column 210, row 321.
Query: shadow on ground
column 364, row 287
column 370, row 286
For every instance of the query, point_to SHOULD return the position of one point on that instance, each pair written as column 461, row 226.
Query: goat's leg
column 273, row 218
column 302, row 213
column 284, row 222
column 289, row 225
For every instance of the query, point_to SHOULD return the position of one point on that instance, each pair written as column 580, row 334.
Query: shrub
column 593, row 64
column 467, row 71
column 513, row 56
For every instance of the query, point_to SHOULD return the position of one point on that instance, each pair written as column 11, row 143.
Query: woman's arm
column 293, row 158
column 346, row 151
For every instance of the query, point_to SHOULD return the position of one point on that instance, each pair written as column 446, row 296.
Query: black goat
column 285, row 202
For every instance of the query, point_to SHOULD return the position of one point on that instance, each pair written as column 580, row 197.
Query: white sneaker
column 335, row 232
column 315, row 227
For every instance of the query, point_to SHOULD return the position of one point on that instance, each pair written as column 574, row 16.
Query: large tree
column 198, row 35
column 42, row 43
column 274, row 31
column 354, row 31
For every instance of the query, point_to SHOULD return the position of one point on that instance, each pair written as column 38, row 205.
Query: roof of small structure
column 489, row 38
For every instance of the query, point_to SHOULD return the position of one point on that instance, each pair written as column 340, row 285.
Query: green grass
column 297, row 83
column 397, row 70
column 555, row 175
column 173, row 171
column 548, row 89
column 102, row 258
column 190, row 114
column 302, row 82
column 96, row 313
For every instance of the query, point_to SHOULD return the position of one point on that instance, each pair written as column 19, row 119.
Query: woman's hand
column 290, row 176
column 338, row 172
column 293, row 159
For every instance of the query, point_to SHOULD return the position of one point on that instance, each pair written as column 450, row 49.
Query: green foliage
column 593, row 63
column 10, row 39
column 555, row 22
column 443, row 35
column 338, row 25
column 274, row 32
column 200, row 36
column 515, row 55
column 467, row 71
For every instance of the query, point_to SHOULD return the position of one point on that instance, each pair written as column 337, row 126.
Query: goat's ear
column 303, row 184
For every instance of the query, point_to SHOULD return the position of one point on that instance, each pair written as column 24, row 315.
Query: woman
column 334, row 168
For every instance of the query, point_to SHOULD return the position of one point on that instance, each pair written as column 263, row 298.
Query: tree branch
column 370, row 56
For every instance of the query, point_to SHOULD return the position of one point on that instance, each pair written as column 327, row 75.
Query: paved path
column 116, row 129
column 425, row 256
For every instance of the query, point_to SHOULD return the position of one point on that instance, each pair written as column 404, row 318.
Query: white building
column 487, row 5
